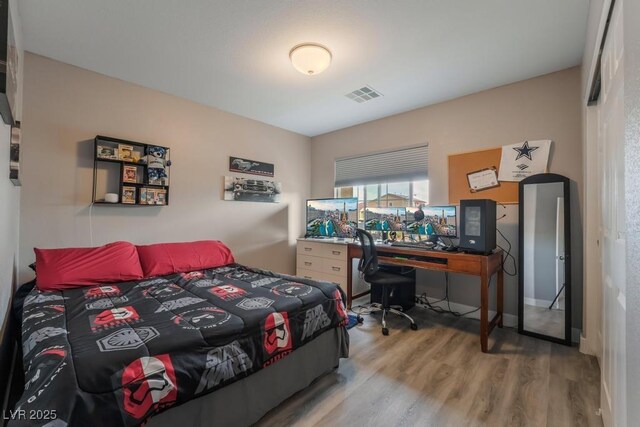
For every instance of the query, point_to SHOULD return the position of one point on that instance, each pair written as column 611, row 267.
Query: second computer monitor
column 432, row 220
column 385, row 219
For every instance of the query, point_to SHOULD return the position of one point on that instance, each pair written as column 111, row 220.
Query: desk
column 483, row 266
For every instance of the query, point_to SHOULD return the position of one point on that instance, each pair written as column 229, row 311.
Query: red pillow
column 166, row 258
column 72, row 267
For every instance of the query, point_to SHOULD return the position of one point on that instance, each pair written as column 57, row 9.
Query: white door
column 612, row 238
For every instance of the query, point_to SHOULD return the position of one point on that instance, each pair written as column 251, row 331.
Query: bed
column 219, row 346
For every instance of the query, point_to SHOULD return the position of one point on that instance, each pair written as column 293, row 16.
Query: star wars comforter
column 116, row 354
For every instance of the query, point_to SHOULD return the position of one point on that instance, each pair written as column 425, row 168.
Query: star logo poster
column 524, row 159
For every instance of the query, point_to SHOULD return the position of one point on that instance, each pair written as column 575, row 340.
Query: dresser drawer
column 311, row 248
column 338, row 280
column 336, row 252
column 334, row 267
column 308, row 262
column 308, row 274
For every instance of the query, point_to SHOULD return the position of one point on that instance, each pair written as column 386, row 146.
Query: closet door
column 612, row 238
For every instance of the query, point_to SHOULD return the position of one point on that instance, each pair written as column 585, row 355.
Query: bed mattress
column 118, row 353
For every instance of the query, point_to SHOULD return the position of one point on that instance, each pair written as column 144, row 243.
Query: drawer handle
column 308, row 277
column 308, row 249
column 336, row 252
column 336, row 268
column 308, row 263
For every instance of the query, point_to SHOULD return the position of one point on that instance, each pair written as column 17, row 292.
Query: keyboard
column 412, row 245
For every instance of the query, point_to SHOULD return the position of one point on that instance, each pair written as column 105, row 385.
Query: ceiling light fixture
column 310, row 58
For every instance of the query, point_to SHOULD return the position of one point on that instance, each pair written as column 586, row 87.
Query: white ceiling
column 233, row 54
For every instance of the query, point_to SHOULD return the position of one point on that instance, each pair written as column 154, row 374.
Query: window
column 402, row 165
column 397, row 179
column 397, row 194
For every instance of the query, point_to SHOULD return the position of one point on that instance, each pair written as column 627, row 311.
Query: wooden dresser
column 322, row 260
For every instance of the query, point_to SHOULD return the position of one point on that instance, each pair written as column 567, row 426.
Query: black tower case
column 478, row 226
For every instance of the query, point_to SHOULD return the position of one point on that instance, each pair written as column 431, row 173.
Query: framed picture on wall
column 14, row 155
column 9, row 75
column 253, row 167
column 252, row 190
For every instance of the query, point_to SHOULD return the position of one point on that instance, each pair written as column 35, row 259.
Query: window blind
column 407, row 164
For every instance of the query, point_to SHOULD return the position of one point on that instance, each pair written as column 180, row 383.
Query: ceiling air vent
column 363, row 94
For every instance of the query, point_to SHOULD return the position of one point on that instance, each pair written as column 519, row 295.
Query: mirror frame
column 546, row 178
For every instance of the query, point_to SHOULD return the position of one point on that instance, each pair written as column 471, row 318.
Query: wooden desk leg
column 500, row 291
column 484, row 312
column 349, row 281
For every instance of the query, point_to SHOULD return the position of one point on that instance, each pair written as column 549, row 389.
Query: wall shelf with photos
column 137, row 173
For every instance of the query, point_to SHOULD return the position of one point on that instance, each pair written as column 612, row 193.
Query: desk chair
column 368, row 268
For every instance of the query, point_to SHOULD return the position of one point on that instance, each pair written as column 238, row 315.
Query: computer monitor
column 432, row 221
column 385, row 219
column 332, row 217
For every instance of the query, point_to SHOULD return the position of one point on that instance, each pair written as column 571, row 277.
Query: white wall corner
column 585, row 346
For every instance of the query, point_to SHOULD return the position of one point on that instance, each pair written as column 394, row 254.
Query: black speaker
column 478, row 226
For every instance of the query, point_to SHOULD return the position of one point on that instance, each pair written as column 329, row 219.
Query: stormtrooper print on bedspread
column 116, row 354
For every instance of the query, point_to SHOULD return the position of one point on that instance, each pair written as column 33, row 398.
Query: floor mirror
column 544, row 280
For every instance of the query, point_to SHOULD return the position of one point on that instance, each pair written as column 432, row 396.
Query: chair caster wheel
column 414, row 327
column 360, row 319
column 385, row 331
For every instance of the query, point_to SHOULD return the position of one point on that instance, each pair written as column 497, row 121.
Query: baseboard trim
column 537, row 302
column 509, row 320
column 585, row 346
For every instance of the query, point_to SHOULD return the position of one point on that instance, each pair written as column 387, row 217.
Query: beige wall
column 65, row 107
column 546, row 107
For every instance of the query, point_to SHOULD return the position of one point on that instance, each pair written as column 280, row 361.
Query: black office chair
column 388, row 281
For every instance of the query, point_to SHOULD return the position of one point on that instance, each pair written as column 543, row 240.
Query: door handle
column 336, row 252
column 308, row 263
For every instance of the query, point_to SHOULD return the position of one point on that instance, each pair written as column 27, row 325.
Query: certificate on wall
column 483, row 179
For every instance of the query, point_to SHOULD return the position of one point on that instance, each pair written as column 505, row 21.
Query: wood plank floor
column 437, row 376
